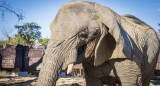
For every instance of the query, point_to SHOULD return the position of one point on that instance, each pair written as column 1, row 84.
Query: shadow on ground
column 13, row 81
column 31, row 81
column 155, row 82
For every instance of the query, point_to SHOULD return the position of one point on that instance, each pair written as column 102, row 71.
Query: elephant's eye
column 83, row 35
column 96, row 32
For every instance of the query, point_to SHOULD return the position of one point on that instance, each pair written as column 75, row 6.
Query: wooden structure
column 77, row 70
column 21, row 56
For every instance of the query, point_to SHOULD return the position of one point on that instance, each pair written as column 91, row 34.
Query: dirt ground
column 18, row 81
column 31, row 81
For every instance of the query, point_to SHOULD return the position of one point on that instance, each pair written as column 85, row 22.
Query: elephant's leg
column 147, row 79
column 89, row 77
column 129, row 73
column 90, row 81
column 147, row 74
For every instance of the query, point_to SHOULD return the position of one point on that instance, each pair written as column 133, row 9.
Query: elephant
column 113, row 49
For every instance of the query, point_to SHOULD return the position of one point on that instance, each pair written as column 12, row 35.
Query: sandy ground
column 71, row 81
column 18, row 81
column 155, row 83
column 31, row 81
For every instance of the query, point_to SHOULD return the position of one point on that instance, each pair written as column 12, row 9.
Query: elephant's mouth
column 81, row 53
column 85, row 53
column 80, row 58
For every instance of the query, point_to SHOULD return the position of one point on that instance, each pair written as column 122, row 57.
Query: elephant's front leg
column 129, row 73
column 90, row 77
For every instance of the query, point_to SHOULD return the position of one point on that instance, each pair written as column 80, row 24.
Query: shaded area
column 18, row 59
column 17, row 81
column 36, row 64
column 35, row 55
column 155, row 82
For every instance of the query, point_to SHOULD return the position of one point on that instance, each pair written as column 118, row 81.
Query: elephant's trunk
column 51, row 67
column 57, row 57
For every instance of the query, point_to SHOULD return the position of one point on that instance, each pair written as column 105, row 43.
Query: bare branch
column 6, row 7
column 20, row 17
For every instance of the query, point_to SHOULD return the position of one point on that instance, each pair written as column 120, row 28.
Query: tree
column 5, row 7
column 159, row 25
column 6, row 33
column 29, row 32
column 43, row 41
column 9, row 37
column 17, row 40
column 3, row 42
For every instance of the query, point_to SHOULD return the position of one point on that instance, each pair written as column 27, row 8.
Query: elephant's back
column 136, row 22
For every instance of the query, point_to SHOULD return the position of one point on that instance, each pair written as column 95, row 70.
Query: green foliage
column 3, row 42
column 13, row 40
column 43, row 41
column 17, row 40
column 29, row 32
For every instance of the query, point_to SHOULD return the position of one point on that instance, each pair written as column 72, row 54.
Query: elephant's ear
column 114, row 41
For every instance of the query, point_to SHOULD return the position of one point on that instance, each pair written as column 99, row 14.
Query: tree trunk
column 51, row 67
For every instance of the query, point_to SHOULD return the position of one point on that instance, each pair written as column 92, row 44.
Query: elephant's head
column 81, row 30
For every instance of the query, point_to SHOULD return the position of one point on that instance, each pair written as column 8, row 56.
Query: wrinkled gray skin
column 114, row 49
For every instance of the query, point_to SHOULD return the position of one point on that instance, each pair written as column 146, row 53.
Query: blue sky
column 43, row 12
